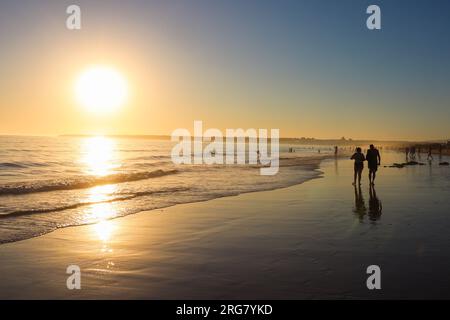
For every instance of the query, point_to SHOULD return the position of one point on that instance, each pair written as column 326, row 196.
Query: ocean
column 54, row 182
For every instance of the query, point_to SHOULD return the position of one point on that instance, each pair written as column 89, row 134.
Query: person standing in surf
column 374, row 160
column 359, row 158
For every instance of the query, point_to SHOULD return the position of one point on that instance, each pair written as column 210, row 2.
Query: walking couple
column 374, row 160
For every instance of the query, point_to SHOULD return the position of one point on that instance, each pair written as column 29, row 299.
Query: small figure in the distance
column 430, row 156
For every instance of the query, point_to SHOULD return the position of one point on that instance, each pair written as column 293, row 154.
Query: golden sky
column 228, row 66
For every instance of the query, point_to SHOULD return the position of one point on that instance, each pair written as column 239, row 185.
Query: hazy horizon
column 156, row 136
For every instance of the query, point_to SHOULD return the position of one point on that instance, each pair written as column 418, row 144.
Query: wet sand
column 309, row 241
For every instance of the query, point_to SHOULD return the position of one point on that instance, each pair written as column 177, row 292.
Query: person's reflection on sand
column 375, row 206
column 336, row 168
column 360, row 207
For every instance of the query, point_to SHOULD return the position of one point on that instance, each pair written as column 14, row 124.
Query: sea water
column 53, row 182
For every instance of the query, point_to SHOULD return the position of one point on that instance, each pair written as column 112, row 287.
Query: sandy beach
column 309, row 241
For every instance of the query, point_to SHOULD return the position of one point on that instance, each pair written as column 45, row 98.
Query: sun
column 101, row 89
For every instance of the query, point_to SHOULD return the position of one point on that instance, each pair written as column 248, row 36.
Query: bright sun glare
column 101, row 89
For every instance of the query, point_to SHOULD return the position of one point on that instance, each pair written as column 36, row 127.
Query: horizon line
column 293, row 139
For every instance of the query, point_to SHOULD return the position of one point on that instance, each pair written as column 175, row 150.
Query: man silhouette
column 374, row 160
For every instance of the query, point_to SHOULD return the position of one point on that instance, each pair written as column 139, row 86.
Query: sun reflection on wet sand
column 104, row 230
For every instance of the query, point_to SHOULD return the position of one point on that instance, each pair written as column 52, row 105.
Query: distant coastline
column 303, row 141
column 437, row 146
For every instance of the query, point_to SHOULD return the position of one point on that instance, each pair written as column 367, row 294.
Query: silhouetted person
column 374, row 160
column 360, row 206
column 359, row 158
column 335, row 151
column 412, row 153
column 430, row 156
column 375, row 206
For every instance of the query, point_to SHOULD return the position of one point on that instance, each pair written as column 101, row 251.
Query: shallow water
column 52, row 182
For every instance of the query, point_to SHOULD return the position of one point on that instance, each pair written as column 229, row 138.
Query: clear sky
column 308, row 67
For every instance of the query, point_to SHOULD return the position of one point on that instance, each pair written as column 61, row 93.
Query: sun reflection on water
column 100, row 159
column 101, row 193
column 100, row 213
column 99, row 156
column 101, row 209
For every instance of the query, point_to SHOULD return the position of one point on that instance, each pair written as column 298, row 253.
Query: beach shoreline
column 34, row 208
column 301, row 242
